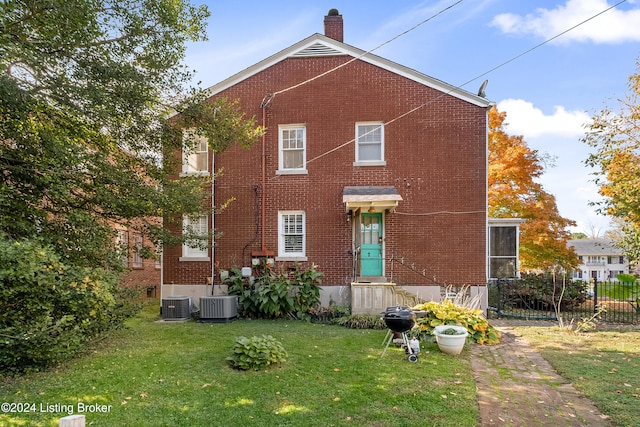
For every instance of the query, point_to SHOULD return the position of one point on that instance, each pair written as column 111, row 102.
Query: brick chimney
column 333, row 25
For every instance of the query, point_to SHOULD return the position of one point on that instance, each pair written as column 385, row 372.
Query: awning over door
column 370, row 198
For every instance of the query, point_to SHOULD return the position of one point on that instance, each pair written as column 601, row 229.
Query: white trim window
column 292, row 149
column 137, row 262
column 503, row 252
column 122, row 241
column 369, row 144
column 291, row 235
column 195, row 249
column 195, row 154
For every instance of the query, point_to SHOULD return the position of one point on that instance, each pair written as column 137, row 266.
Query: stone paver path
column 517, row 387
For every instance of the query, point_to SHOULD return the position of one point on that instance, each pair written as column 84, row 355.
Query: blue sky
column 548, row 94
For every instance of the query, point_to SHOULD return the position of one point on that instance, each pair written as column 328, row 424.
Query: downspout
column 266, row 101
column 213, row 223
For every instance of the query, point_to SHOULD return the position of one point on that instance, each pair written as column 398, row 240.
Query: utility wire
column 370, row 51
column 514, row 58
column 543, row 43
column 468, row 81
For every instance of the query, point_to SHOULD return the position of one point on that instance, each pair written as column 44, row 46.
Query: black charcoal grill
column 400, row 320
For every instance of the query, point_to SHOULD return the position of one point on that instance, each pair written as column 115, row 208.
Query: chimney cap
column 333, row 12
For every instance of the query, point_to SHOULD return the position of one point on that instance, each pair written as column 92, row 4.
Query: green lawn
column 602, row 364
column 175, row 374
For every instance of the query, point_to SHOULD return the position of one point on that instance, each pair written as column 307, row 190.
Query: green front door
column 371, row 244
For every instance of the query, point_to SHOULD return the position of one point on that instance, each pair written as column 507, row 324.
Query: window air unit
column 176, row 308
column 219, row 309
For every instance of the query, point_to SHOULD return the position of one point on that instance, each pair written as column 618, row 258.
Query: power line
column 369, row 51
column 465, row 83
column 543, row 43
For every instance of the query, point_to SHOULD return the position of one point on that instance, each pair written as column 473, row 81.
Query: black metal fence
column 539, row 298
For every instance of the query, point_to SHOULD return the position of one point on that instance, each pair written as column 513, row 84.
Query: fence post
column 499, row 312
column 595, row 295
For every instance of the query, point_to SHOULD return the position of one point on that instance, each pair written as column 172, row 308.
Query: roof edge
column 360, row 54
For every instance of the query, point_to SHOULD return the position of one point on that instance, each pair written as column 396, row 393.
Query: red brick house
column 374, row 172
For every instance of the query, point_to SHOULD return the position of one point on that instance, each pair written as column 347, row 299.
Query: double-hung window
column 292, row 152
column 370, row 144
column 195, row 155
column 291, row 232
column 137, row 252
column 194, row 229
column 123, row 246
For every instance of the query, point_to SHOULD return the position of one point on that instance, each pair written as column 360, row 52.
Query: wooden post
column 72, row 421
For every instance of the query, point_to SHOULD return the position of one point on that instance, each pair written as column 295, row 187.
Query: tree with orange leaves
column 514, row 193
column 614, row 136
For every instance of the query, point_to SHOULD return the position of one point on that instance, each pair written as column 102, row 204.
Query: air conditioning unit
column 223, row 308
column 176, row 308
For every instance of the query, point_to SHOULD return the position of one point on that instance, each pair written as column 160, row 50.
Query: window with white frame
column 195, row 155
column 291, row 232
column 158, row 262
column 137, row 248
column 292, row 142
column 503, row 252
column 123, row 246
column 194, row 228
column 370, row 143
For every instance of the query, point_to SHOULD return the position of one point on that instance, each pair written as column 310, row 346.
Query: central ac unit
column 222, row 308
column 176, row 308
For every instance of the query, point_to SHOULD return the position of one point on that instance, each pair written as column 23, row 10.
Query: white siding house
column 601, row 259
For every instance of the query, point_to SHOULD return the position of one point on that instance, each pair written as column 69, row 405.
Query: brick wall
column 435, row 157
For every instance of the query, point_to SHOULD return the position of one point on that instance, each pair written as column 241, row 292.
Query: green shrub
column 307, row 291
column 361, row 321
column 328, row 314
column 48, row 310
column 272, row 295
column 256, row 353
column 447, row 313
column 542, row 292
column 626, row 278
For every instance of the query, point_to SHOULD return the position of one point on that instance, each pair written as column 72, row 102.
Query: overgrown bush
column 48, row 310
column 329, row 314
column 361, row 321
column 256, row 353
column 271, row 295
column 626, row 278
column 540, row 292
column 447, row 313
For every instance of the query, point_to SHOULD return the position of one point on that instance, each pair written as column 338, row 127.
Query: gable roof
column 594, row 247
column 320, row 45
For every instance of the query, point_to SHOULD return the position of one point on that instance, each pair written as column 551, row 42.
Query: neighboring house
column 372, row 171
column 600, row 259
column 140, row 272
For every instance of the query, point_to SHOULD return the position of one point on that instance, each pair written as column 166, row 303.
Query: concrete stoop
column 373, row 295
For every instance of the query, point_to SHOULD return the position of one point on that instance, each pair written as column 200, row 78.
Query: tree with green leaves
column 92, row 94
column 87, row 91
column 513, row 192
column 615, row 138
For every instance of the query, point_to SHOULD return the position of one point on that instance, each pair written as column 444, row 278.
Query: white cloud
column 525, row 119
column 613, row 26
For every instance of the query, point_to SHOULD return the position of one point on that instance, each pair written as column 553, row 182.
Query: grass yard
column 175, row 374
column 602, row 364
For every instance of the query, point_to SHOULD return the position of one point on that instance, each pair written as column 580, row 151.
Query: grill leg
column 388, row 338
